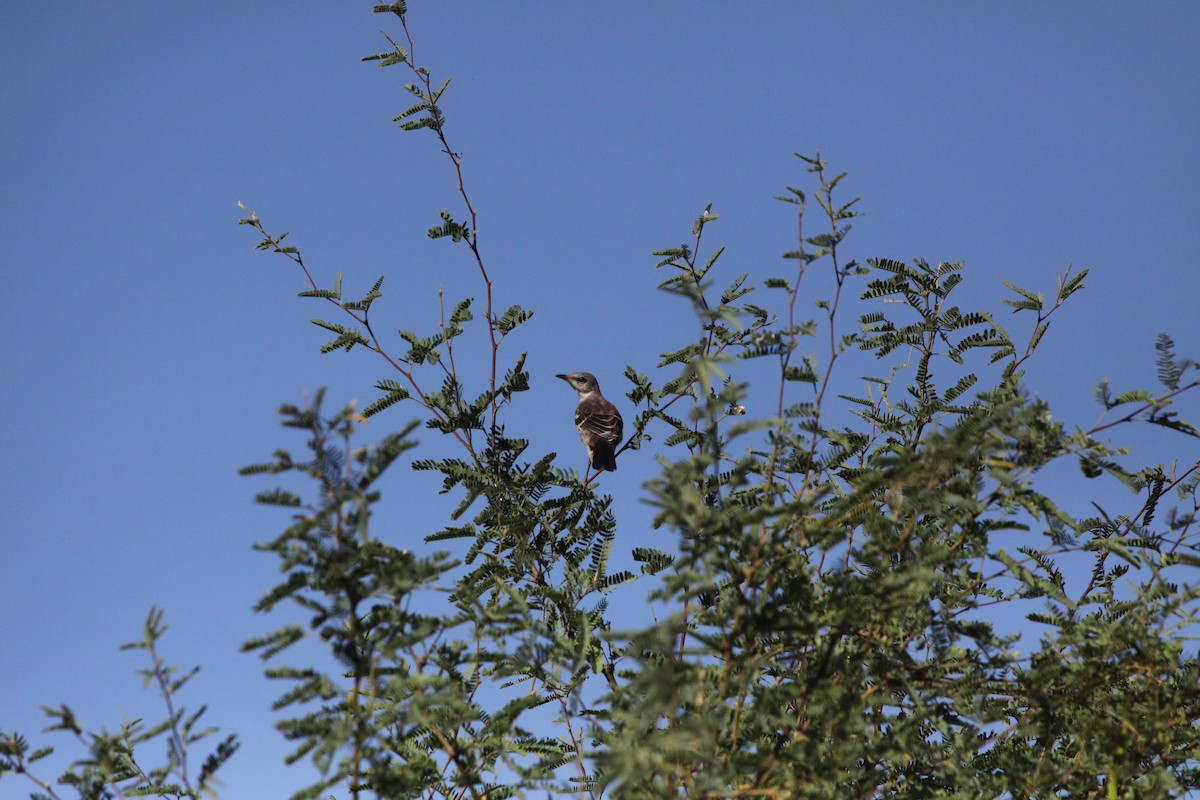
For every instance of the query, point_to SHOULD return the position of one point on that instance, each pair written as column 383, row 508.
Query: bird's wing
column 601, row 420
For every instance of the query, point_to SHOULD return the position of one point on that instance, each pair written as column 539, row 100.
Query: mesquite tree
column 830, row 627
column 835, row 569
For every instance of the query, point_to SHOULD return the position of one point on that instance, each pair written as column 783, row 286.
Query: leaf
column 1071, row 285
column 437, row 94
column 964, row 383
column 1170, row 369
column 1031, row 300
column 1023, row 305
column 411, row 110
column 965, row 321
column 882, row 288
column 1157, row 488
column 796, row 198
column 703, row 220
column 365, row 303
column 513, row 317
column 653, row 561
column 462, row 313
column 898, row 268
column 801, row 374
column 682, row 356
column 324, row 294
column 388, row 59
column 862, row 401
column 1134, row 396
column 735, row 290
column 416, row 125
column 278, row 497
column 217, row 759
column 329, row 326
column 610, row 582
column 516, row 379
column 345, row 342
column 399, row 8
column 1038, row 333
column 420, row 350
column 390, row 399
column 457, row 231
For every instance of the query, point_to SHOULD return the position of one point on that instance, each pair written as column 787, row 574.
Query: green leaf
column 513, row 317
column 278, row 497
column 1170, row 368
column 388, row 400
column 411, row 110
column 416, row 125
column 329, row 326
column 736, row 290
column 399, row 8
column 345, row 342
column 457, row 231
column 801, row 374
column 365, row 303
column 1031, row 300
column 324, row 294
column 1071, row 285
column 964, row 383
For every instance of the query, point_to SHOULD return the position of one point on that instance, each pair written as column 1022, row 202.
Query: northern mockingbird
column 598, row 420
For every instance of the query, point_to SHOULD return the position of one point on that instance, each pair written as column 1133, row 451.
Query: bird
column 598, row 421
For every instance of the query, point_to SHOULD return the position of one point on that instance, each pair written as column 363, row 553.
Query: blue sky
column 148, row 345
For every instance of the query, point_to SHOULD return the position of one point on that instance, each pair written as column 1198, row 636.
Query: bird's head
column 582, row 382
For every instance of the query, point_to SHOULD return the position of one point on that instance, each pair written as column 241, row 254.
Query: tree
column 831, row 625
column 111, row 765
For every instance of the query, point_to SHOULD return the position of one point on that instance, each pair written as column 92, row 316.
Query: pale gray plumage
column 599, row 423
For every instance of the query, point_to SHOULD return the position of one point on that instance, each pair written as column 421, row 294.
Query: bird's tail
column 604, row 457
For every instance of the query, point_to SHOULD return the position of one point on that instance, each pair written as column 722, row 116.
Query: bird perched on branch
column 598, row 420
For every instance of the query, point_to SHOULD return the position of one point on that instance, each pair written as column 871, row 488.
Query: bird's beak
column 564, row 377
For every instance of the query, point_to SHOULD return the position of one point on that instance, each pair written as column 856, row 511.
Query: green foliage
column 872, row 600
column 415, row 692
column 881, row 597
column 830, row 639
column 111, row 766
column 829, row 624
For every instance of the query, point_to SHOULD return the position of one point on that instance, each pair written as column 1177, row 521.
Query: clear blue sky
column 147, row 345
